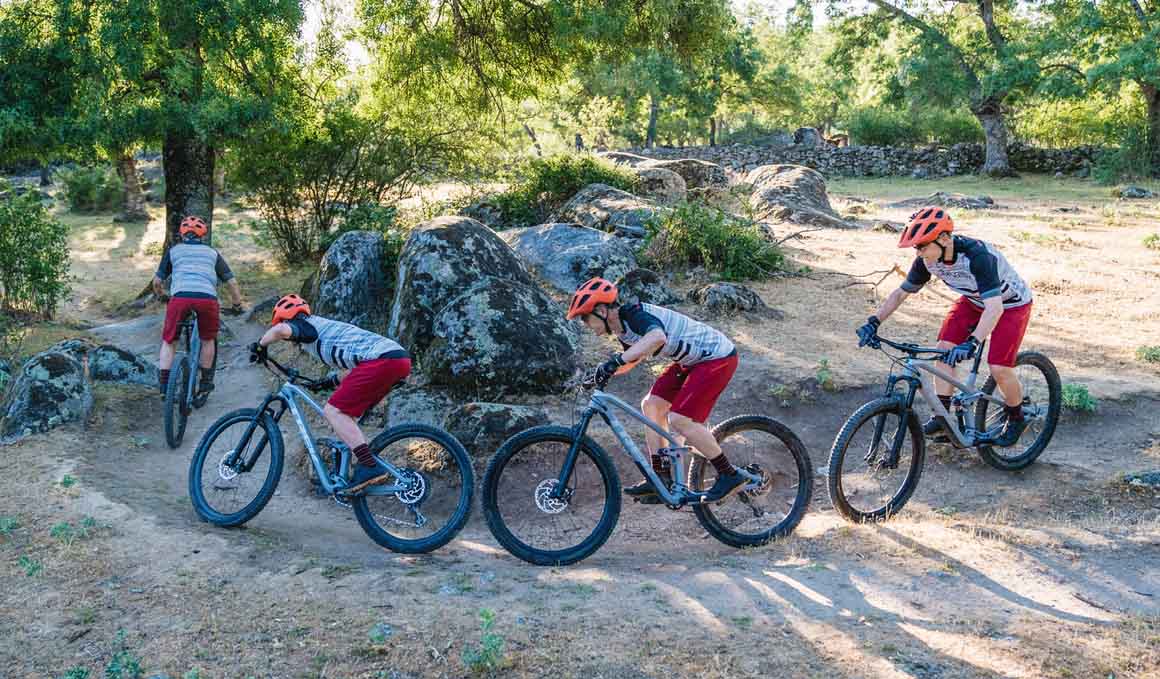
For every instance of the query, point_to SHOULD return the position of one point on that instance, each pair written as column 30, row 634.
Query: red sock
column 363, row 453
column 722, row 465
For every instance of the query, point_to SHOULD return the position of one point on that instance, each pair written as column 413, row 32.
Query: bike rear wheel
column 866, row 483
column 771, row 511
column 523, row 516
column 229, row 487
column 176, row 407
column 1042, row 400
column 429, row 515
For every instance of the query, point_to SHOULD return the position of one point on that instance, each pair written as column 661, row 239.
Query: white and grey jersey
column 341, row 345
column 195, row 270
column 688, row 342
column 978, row 272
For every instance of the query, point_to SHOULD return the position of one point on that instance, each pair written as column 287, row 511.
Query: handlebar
column 908, row 348
column 293, row 376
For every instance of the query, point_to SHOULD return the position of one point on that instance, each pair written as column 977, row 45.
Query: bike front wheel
column 229, row 483
column 771, row 510
column 1042, row 399
column 176, row 405
column 524, row 516
column 874, row 468
column 437, row 501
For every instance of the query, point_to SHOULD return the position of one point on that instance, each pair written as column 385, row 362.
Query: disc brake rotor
column 416, row 490
column 226, row 472
column 544, row 500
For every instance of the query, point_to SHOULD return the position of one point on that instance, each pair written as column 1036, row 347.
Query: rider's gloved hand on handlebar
column 608, row 368
column 257, row 353
column 329, row 382
column 867, row 332
column 235, row 310
column 962, row 352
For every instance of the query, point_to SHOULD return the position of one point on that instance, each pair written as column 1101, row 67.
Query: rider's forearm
column 891, row 303
column 235, row 291
column 158, row 286
column 652, row 340
column 271, row 336
column 992, row 311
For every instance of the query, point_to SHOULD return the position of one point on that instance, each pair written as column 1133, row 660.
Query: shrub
column 92, row 189
column 695, row 233
column 540, row 186
column 1126, row 162
column 1077, row 397
column 882, row 127
column 950, row 127
column 1148, row 354
column 34, row 257
column 1152, row 241
column 488, row 654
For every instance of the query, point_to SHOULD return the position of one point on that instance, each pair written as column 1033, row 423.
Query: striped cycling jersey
column 195, row 270
column 341, row 345
column 978, row 272
column 687, row 342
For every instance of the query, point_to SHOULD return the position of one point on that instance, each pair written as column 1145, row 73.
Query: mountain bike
column 551, row 494
column 873, row 470
column 238, row 463
column 181, row 393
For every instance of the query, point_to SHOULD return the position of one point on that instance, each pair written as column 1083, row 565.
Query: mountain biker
column 994, row 302
column 704, row 361
column 194, row 270
column 376, row 365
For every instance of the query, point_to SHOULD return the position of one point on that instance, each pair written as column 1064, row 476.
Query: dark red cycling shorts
column 1005, row 339
column 694, row 391
column 368, row 383
column 179, row 307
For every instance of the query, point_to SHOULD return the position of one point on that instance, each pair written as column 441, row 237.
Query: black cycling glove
column 962, row 352
column 867, row 332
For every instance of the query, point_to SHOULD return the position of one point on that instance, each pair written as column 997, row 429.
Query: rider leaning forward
column 995, row 303
column 704, row 361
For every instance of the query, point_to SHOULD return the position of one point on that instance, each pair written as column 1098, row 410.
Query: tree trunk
column 219, row 173
column 1152, row 134
column 45, row 174
column 995, row 163
column 133, row 207
column 189, row 163
column 650, row 140
column 535, row 142
column 712, row 130
column 579, row 142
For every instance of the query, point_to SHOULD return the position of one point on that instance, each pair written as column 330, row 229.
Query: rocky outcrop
column 501, row 337
column 1135, row 192
column 441, row 259
column 643, row 285
column 698, row 174
column 108, row 363
column 792, row 193
column 483, row 427
column 661, row 186
column 808, row 137
column 566, row 255
column 602, row 207
column 944, row 199
column 351, row 282
column 720, row 297
column 51, row 390
column 407, row 403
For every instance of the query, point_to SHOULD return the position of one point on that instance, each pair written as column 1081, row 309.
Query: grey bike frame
column 926, row 375
column 193, row 360
column 604, row 404
column 289, row 394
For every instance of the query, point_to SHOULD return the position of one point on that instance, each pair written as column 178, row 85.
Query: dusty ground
column 1051, row 572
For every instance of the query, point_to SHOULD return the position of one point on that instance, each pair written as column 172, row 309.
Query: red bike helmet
column 587, row 296
column 192, row 226
column 288, row 307
column 925, row 226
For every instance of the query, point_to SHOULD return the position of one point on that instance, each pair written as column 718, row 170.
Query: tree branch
column 935, row 35
column 1140, row 13
column 987, row 14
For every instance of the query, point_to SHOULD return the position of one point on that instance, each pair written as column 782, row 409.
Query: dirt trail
column 1049, row 572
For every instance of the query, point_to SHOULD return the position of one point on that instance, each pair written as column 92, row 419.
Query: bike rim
column 873, row 475
column 523, row 498
column 435, row 493
column 762, row 508
column 227, row 489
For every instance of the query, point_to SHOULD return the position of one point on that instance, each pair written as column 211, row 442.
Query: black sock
column 164, row 380
column 363, row 453
column 1015, row 412
column 722, row 465
column 945, row 401
column 207, row 375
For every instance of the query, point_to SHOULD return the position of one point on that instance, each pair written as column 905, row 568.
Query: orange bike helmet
column 287, row 308
column 588, row 295
column 926, row 225
column 192, row 226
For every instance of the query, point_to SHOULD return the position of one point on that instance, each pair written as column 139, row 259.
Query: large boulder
column 351, row 281
column 483, row 427
column 51, row 390
column 792, row 193
column 662, row 186
column 501, row 337
column 602, row 207
column 566, row 255
column 441, row 259
column 698, row 174
column 644, row 285
column 944, row 199
column 108, row 363
column 727, row 297
column 408, row 403
column 625, row 158
column 810, row 137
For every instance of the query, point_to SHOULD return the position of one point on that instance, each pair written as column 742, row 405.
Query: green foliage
column 8, row 524
column 92, row 189
column 34, row 256
column 698, row 234
column 1148, row 354
column 540, row 186
column 67, row 481
column 887, row 127
column 1077, row 397
column 124, row 664
column 1126, row 162
column 824, row 375
column 31, row 566
column 488, row 654
column 1152, row 241
column 76, row 672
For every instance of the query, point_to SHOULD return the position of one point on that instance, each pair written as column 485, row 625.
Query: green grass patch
column 1152, row 241
column 8, row 524
column 1077, row 397
column 488, row 654
column 699, row 234
column 31, row 566
column 67, row 481
column 1026, row 186
column 1148, row 354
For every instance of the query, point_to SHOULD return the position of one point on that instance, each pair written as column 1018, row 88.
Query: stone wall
column 875, row 161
